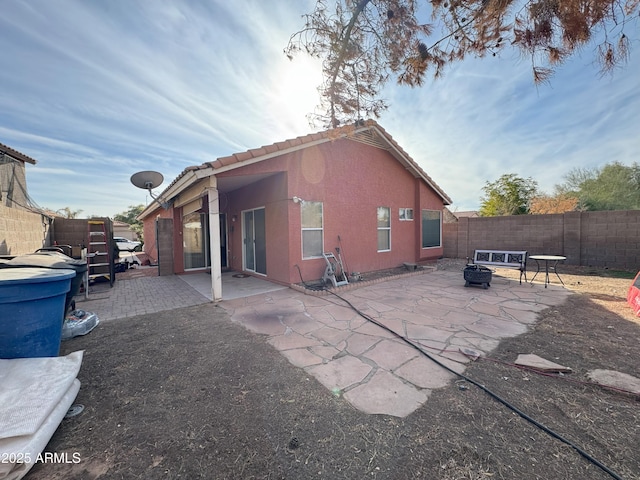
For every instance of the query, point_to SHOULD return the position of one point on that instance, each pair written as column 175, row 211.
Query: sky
column 96, row 91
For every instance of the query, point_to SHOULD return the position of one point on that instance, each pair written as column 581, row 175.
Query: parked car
column 124, row 244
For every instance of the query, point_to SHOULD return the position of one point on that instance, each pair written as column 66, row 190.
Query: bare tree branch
column 364, row 43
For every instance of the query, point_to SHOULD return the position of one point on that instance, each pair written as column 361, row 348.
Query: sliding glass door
column 195, row 240
column 254, row 241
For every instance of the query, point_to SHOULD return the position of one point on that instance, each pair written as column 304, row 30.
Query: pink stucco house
column 272, row 211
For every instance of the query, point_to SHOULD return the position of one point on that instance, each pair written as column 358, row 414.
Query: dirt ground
column 188, row 394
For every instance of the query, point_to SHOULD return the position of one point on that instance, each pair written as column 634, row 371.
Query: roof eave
column 193, row 174
column 266, row 156
column 187, row 177
column 16, row 155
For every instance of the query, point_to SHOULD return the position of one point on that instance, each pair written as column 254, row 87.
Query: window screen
column 312, row 232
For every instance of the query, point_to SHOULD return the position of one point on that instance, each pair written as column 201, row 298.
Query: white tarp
column 35, row 395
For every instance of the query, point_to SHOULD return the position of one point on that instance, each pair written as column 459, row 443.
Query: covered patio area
column 234, row 285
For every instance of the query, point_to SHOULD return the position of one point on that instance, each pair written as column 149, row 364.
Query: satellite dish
column 147, row 179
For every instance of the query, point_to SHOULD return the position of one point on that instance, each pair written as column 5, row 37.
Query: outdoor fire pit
column 477, row 275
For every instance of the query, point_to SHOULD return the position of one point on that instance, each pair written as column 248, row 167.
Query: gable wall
column 351, row 179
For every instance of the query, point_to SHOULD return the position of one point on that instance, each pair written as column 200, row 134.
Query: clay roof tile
column 4, row 149
column 242, row 156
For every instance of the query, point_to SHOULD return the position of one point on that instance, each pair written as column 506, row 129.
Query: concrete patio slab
column 234, row 285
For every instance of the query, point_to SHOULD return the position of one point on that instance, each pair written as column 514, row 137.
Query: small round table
column 547, row 258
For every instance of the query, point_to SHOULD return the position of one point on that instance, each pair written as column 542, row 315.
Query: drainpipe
column 214, row 239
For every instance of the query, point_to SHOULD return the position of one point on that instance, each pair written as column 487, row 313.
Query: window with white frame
column 384, row 229
column 312, row 232
column 431, row 228
column 406, row 214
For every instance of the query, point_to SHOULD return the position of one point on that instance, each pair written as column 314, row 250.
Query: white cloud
column 98, row 90
column 486, row 118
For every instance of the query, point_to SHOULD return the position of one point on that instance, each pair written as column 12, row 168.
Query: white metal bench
column 502, row 258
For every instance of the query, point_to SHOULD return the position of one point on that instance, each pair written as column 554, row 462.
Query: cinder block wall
column 603, row 239
column 22, row 231
column 75, row 231
column 70, row 231
column 611, row 239
column 450, row 237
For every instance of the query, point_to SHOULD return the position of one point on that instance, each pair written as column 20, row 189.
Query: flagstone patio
column 373, row 369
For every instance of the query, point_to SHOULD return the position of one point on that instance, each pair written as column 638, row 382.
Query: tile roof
column 468, row 213
column 4, row 149
column 362, row 132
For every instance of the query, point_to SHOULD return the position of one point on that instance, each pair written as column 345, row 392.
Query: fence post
column 463, row 237
column 572, row 237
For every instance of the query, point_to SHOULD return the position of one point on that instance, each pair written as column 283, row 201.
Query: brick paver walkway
column 138, row 296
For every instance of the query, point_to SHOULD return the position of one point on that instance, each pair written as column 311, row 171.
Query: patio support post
column 214, row 239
